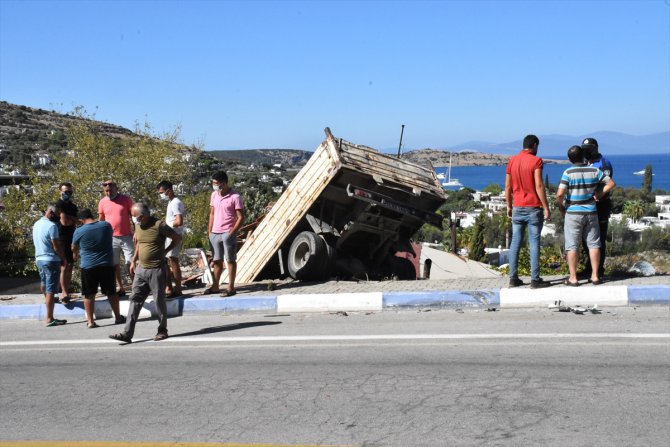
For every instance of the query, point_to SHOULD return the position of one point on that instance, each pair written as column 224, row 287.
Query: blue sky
column 274, row 74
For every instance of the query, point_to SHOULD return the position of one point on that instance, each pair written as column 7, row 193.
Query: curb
column 361, row 302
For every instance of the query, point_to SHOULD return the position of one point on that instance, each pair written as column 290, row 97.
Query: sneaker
column 539, row 284
column 120, row 320
column 514, row 281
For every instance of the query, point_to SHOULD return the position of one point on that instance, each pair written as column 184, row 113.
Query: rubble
column 560, row 306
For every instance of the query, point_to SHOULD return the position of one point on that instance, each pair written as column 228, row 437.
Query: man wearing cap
column 527, row 206
column 150, row 270
column 92, row 243
column 603, row 204
column 115, row 209
column 580, row 188
column 68, row 220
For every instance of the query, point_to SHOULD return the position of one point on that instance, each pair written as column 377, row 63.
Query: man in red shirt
column 527, row 207
column 115, row 209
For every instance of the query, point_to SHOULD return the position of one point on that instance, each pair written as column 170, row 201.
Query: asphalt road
column 389, row 379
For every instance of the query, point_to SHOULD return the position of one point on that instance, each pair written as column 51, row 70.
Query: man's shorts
column 124, row 243
column 103, row 277
column 578, row 226
column 66, row 234
column 49, row 275
column 224, row 246
column 176, row 250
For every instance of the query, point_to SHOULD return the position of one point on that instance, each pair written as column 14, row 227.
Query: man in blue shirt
column 49, row 257
column 582, row 187
column 92, row 243
column 604, row 205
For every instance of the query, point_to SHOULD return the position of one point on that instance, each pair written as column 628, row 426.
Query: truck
column 347, row 213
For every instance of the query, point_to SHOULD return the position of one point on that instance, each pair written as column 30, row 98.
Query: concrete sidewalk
column 373, row 296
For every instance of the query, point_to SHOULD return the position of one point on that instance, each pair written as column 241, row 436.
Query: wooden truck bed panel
column 292, row 206
column 369, row 161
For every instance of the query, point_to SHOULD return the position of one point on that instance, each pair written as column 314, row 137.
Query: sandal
column 66, row 299
column 56, row 322
column 92, row 325
column 120, row 320
column 567, row 282
column 228, row 293
column 161, row 336
column 209, row 291
column 596, row 282
column 121, row 336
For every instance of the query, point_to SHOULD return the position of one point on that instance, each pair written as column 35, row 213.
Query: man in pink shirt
column 226, row 214
column 115, row 209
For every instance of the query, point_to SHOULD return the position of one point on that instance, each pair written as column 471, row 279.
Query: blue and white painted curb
column 368, row 302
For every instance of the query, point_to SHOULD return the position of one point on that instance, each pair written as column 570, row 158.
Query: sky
column 274, row 74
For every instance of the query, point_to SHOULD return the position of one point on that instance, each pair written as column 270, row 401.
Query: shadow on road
column 225, row 328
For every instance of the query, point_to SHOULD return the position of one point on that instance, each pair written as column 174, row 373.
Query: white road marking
column 345, row 338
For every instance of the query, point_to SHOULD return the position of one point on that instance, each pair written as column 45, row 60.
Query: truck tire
column 308, row 257
column 403, row 268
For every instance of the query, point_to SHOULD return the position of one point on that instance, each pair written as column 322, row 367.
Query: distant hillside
column 610, row 143
column 26, row 132
column 439, row 158
column 287, row 157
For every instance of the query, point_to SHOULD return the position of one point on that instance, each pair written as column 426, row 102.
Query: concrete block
column 444, row 298
column 656, row 294
column 586, row 295
column 330, row 302
column 228, row 305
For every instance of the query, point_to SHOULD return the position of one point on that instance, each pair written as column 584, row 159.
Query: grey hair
column 52, row 208
column 143, row 208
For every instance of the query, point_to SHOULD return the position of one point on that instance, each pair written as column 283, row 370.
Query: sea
column 478, row 177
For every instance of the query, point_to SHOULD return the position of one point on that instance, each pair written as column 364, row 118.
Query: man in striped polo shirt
column 581, row 186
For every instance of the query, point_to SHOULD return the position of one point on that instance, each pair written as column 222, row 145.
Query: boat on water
column 451, row 183
column 441, row 176
column 641, row 173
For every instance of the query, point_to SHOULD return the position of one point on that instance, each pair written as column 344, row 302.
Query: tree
column 137, row 164
column 478, row 243
column 493, row 188
column 646, row 180
column 634, row 209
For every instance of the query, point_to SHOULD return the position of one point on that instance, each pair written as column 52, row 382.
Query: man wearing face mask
column 49, row 257
column 226, row 214
column 174, row 217
column 150, row 270
column 68, row 220
column 115, row 209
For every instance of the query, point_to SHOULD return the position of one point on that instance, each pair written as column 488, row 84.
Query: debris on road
column 578, row 309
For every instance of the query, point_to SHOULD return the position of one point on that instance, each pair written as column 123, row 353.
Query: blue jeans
column 532, row 218
column 49, row 275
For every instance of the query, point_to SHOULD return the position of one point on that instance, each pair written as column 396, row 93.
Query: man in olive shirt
column 150, row 269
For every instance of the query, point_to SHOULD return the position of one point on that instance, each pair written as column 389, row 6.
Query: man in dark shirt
column 92, row 243
column 68, row 220
column 603, row 205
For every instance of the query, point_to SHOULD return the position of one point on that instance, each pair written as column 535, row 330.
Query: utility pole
column 402, row 130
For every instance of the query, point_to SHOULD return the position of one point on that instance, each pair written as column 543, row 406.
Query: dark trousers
column 148, row 281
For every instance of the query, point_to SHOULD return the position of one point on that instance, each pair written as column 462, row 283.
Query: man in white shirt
column 174, row 217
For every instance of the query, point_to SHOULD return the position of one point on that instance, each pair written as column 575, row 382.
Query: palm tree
column 634, row 209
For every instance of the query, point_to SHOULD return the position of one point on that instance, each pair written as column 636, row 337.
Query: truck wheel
column 307, row 257
column 403, row 268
